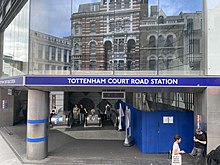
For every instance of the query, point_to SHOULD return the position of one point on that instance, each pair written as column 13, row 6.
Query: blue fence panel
column 153, row 132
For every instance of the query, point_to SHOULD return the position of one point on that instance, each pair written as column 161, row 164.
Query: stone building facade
column 49, row 54
column 171, row 43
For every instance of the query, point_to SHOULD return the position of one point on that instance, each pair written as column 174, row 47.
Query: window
column 59, row 54
column 92, row 48
column 47, row 52
column 169, row 41
column 53, row 53
column 127, row 25
column 112, row 26
column 77, row 29
column 65, row 55
column 126, row 3
column 152, row 63
column 119, row 45
column 53, row 67
column 40, row 51
column 152, row 41
column 118, row 4
column 121, row 65
column 161, row 19
column 93, row 27
column 160, row 41
column 118, row 26
column 76, row 49
column 196, row 46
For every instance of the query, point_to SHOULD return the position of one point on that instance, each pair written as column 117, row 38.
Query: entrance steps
column 95, row 134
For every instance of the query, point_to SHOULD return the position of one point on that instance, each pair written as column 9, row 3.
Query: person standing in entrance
column 199, row 146
column 176, row 149
column 83, row 112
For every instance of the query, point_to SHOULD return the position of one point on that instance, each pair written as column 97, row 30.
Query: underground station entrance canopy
column 111, row 81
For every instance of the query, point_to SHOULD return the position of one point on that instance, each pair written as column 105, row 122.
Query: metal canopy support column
column 37, row 124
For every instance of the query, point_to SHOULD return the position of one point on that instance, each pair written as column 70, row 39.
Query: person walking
column 176, row 149
column 199, row 146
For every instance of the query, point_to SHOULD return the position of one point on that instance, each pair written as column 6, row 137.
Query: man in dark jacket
column 213, row 158
column 199, row 146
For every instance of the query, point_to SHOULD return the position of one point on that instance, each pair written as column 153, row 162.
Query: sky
column 174, row 7
column 53, row 16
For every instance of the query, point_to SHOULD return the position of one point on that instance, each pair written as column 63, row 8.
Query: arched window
column 161, row 19
column 152, row 63
column 108, row 50
column 169, row 41
column 108, row 46
column 92, row 48
column 130, row 45
column 160, row 41
column 152, row 41
column 76, row 49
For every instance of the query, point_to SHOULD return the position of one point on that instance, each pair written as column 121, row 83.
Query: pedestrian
column 176, row 149
column 83, row 113
column 52, row 113
column 75, row 113
column 199, row 146
column 107, row 111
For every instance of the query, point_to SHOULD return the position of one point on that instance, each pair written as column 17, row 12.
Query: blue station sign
column 121, row 81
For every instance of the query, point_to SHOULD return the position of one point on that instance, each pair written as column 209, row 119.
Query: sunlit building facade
column 105, row 35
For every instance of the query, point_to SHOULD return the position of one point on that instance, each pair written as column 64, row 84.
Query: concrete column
column 207, row 104
column 37, row 124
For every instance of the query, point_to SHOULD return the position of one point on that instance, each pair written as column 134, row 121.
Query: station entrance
column 155, row 113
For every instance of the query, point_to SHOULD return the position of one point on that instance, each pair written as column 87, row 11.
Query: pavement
column 65, row 149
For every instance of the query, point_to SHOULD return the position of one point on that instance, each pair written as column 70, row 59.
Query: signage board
column 122, row 81
column 176, row 159
column 13, row 81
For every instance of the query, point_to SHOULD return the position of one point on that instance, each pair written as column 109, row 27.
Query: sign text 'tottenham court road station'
column 123, row 81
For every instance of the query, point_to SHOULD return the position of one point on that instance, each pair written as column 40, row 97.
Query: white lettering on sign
column 123, row 81
column 139, row 81
column 164, row 81
column 86, row 81
column 118, row 81
column 12, row 81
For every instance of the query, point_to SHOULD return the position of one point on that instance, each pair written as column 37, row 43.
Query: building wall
column 185, row 53
column 44, row 60
column 125, row 22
